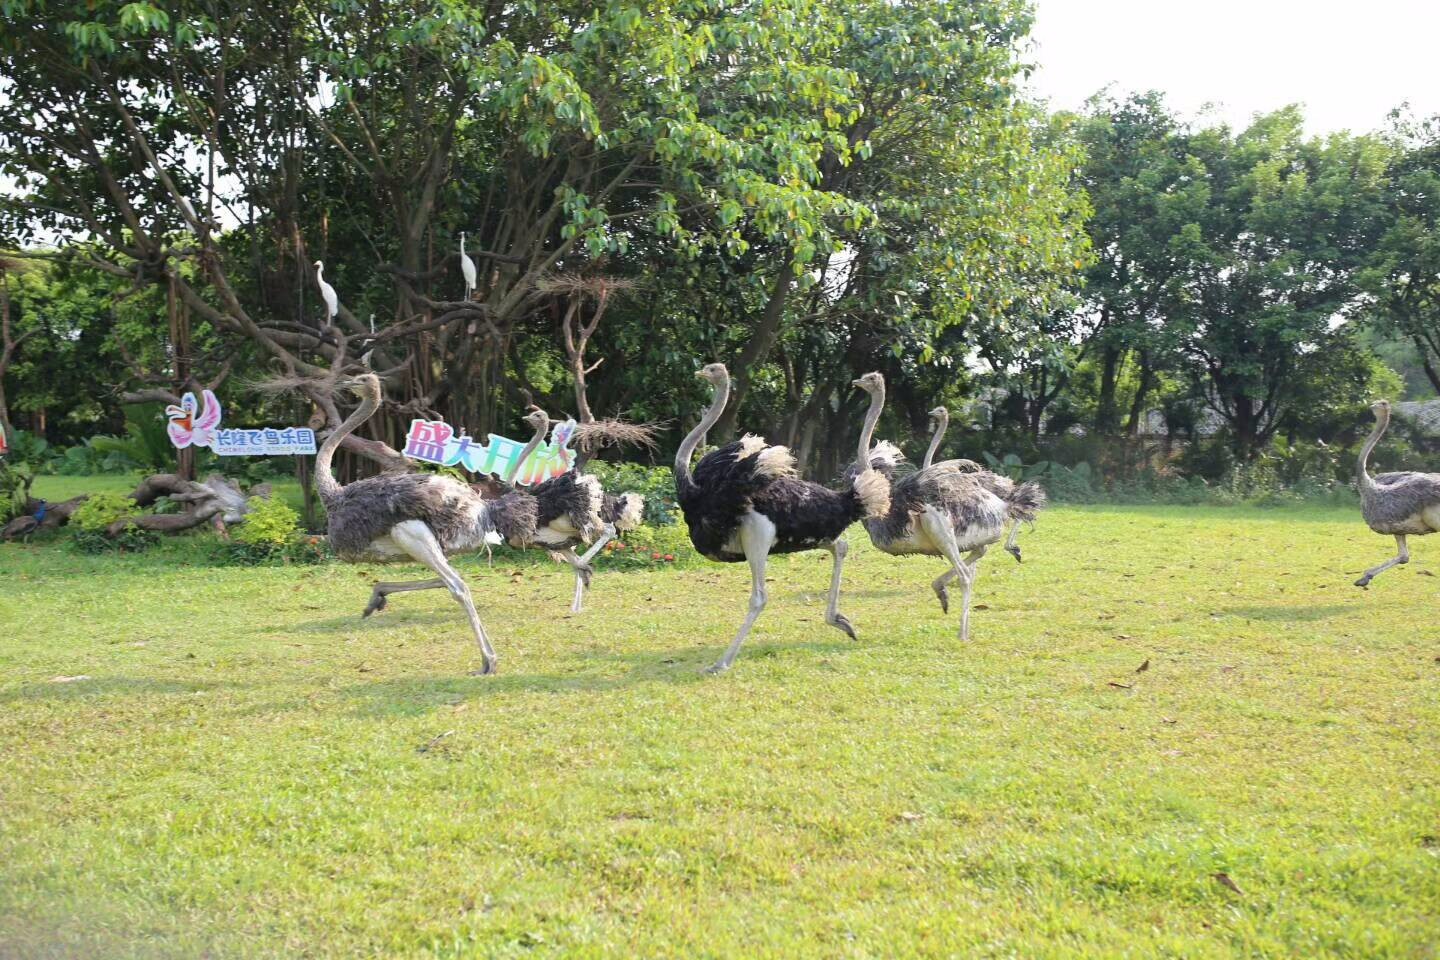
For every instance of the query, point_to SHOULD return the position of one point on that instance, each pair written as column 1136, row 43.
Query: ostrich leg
column 1011, row 547
column 756, row 541
column 942, row 534
column 833, row 616
column 598, row 545
column 582, row 577
column 419, row 541
column 385, row 588
column 1402, row 557
column 938, row 585
column 973, row 562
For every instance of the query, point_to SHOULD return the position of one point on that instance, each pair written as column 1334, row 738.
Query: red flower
column 670, row 557
column 654, row 556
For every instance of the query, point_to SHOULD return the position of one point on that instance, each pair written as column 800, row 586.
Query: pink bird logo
column 190, row 426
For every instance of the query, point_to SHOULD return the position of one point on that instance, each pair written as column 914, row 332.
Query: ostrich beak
column 700, row 375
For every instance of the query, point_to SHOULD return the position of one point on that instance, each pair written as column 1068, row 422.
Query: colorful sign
column 435, row 441
column 193, row 426
column 4, row 444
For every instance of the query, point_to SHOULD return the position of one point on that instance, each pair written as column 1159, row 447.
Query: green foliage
column 100, row 510
column 269, row 522
column 15, row 481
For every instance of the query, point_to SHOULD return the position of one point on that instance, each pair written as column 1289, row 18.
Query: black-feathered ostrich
column 744, row 502
column 1400, row 504
column 425, row 517
column 1023, row 501
column 573, row 509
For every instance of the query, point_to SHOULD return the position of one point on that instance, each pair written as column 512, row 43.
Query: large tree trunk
column 757, row 348
column 1107, row 418
column 1142, row 393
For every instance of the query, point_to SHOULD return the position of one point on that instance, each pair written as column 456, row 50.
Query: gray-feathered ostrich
column 1023, row 501
column 745, row 502
column 940, row 510
column 425, row 517
column 1400, row 504
column 573, row 509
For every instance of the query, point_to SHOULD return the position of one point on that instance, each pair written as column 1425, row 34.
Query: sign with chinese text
column 194, row 425
column 435, row 441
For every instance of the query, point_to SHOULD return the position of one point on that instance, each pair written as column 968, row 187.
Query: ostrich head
column 871, row 383
column 538, row 419
column 714, row 373
column 1381, row 409
column 939, row 415
column 365, row 385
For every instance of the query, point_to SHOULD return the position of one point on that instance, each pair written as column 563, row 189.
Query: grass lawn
column 249, row 769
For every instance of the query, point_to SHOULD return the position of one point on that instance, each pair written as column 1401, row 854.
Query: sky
column 1348, row 61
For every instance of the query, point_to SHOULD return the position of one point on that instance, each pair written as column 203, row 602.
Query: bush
column 89, row 522
column 648, row 546
column 14, row 490
column 270, row 523
column 100, row 510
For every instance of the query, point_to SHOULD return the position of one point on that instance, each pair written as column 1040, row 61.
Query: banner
column 192, row 425
column 435, row 441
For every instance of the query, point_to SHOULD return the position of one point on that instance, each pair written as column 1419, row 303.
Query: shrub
column 100, row 510
column 270, row 523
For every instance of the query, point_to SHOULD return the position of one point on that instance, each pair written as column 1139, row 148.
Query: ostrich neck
column 325, row 480
column 697, row 436
column 940, row 425
column 530, row 448
column 1362, row 469
column 872, row 417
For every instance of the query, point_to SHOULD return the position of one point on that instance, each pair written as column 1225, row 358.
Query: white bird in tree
column 1399, row 504
column 467, row 267
column 327, row 292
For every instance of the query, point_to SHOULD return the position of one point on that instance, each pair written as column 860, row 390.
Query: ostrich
column 467, row 268
column 1399, row 504
column 1023, row 501
column 941, row 510
column 573, row 509
column 327, row 292
column 425, row 517
column 744, row 502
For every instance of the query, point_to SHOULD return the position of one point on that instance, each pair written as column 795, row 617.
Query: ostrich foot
column 377, row 603
column 585, row 572
column 944, row 596
column 489, row 668
column 1014, row 551
column 1363, row 581
column 842, row 623
column 719, row 666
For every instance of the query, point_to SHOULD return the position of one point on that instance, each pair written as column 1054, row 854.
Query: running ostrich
column 573, row 509
column 1399, row 504
column 941, row 510
column 1023, row 502
column 745, row 502
column 423, row 516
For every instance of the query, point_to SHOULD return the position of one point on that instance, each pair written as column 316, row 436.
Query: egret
column 327, row 292
column 467, row 267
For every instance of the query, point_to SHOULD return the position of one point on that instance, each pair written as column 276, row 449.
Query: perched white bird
column 365, row 358
column 327, row 292
column 467, row 267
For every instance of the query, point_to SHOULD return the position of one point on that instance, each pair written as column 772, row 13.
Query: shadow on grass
column 109, row 687
column 1289, row 613
column 413, row 696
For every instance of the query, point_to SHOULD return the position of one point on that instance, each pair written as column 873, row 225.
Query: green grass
column 251, row 770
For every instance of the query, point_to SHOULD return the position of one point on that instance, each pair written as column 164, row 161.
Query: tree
column 1403, row 275
column 1270, row 266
